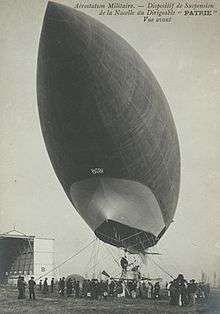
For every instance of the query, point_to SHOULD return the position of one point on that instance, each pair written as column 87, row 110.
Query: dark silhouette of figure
column 112, row 288
column 62, row 286
column 19, row 287
column 40, row 285
column 174, row 294
column 191, row 290
column 52, row 285
column 181, row 285
column 93, row 288
column 77, row 289
column 59, row 285
column 157, row 290
column 84, row 288
column 150, row 289
column 105, row 290
column 23, row 286
column 124, row 263
column 45, row 286
column 119, row 288
column 69, row 287
column 31, row 286
column 88, row 287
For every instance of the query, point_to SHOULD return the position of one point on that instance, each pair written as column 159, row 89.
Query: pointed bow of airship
column 108, row 130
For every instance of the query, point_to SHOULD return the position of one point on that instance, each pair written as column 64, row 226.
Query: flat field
column 57, row 304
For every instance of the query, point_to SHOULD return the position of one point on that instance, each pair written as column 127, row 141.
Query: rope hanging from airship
column 90, row 260
column 96, row 262
column 68, row 259
column 161, row 268
column 96, row 256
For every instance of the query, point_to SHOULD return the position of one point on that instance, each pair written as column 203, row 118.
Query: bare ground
column 56, row 304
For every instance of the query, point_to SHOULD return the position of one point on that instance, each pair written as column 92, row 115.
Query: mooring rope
column 68, row 259
column 161, row 268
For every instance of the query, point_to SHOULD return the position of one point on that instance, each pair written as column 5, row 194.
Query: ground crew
column 19, row 287
column 191, row 289
column 31, row 286
column 40, row 285
column 69, row 287
column 62, row 286
column 45, row 286
column 52, row 285
column 157, row 290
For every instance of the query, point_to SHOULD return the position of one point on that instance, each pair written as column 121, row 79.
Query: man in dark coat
column 124, row 264
column 59, row 285
column 88, row 289
column 174, row 292
column 77, row 289
column 112, row 287
column 40, row 285
column 69, row 287
column 23, row 286
column 157, row 290
column 19, row 287
column 31, row 286
column 191, row 289
column 62, row 286
column 52, row 285
column 182, row 290
column 45, row 286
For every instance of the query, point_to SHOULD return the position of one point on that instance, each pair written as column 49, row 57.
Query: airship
column 108, row 130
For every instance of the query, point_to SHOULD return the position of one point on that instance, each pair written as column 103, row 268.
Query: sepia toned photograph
column 110, row 172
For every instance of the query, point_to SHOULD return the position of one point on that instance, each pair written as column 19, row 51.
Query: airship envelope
column 108, row 130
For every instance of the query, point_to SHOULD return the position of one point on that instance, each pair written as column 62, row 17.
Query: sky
column 184, row 57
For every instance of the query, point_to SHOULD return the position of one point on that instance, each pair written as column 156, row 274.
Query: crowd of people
column 93, row 289
column 179, row 291
column 183, row 293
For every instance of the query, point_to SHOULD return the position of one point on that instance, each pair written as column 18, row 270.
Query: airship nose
column 64, row 33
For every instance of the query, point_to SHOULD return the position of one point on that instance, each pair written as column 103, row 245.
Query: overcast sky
column 184, row 56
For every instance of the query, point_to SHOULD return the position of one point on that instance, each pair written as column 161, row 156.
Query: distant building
column 25, row 255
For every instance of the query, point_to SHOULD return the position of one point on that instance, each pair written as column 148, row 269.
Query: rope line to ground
column 68, row 259
column 97, row 261
column 114, row 259
column 96, row 258
column 161, row 268
column 90, row 261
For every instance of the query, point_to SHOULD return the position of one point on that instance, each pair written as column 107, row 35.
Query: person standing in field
column 52, row 285
column 45, row 286
column 192, row 289
column 62, row 286
column 19, row 287
column 157, row 290
column 40, row 285
column 69, row 287
column 31, row 286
